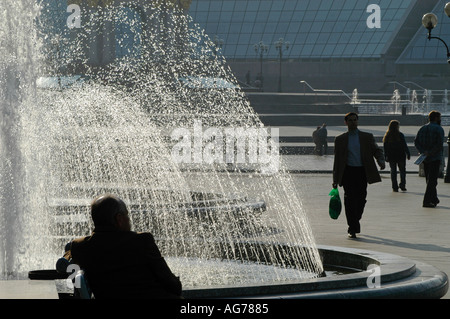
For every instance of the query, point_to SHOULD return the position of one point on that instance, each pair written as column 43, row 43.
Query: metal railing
column 413, row 102
column 324, row 91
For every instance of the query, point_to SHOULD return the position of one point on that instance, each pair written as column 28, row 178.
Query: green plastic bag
column 335, row 206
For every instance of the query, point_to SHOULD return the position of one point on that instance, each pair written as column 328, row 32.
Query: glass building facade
column 421, row 50
column 333, row 44
column 315, row 28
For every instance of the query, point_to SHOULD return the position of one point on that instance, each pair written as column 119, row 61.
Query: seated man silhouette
column 118, row 262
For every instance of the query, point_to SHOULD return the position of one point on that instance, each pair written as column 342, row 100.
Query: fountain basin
column 399, row 277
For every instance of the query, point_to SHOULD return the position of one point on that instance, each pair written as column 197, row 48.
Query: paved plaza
column 393, row 223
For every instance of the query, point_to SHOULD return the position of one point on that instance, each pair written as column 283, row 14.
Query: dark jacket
column 369, row 151
column 124, row 264
column 430, row 139
column 396, row 151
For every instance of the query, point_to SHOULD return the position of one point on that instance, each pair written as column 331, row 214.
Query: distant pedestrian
column 259, row 81
column 429, row 142
column 323, row 143
column 354, row 167
column 396, row 152
column 316, row 140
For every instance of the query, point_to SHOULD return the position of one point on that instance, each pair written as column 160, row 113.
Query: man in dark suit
column 354, row 167
column 118, row 262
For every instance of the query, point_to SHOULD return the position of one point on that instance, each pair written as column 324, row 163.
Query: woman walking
column 396, row 151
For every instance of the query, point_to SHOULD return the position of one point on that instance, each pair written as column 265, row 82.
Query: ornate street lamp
column 430, row 21
column 447, row 9
column 281, row 46
column 261, row 49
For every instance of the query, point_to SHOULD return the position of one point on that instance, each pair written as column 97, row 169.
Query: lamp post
column 261, row 49
column 281, row 46
column 430, row 21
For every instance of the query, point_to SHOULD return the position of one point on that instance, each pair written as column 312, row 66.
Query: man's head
column 110, row 211
column 351, row 119
column 435, row 117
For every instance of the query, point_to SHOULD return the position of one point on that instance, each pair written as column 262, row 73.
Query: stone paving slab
column 28, row 289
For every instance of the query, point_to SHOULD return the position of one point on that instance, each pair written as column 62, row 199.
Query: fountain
column 115, row 134
column 395, row 100
column 194, row 163
column 414, row 102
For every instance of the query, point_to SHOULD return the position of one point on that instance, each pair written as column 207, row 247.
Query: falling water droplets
column 112, row 134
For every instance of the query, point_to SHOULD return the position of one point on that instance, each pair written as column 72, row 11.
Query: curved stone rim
column 399, row 277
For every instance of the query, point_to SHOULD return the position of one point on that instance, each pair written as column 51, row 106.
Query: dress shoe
column 395, row 190
column 351, row 235
column 403, row 188
column 430, row 205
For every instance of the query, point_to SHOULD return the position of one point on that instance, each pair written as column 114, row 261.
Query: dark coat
column 124, row 264
column 396, row 151
column 369, row 151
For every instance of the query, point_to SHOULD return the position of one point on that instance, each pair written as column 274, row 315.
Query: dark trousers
column 355, row 192
column 402, row 168
column 431, row 175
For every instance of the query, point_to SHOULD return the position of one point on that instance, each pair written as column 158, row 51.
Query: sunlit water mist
column 18, row 48
column 63, row 147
